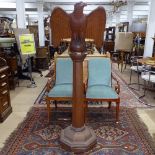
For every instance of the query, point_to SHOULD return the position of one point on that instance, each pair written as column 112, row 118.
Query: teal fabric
column 99, row 71
column 101, row 92
column 61, row 90
column 64, row 71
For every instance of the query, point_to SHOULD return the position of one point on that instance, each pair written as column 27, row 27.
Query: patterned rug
column 35, row 136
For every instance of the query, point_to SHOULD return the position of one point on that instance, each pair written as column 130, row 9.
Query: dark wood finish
column 60, row 27
column 78, row 91
column 109, row 45
column 153, row 53
column 78, row 137
column 78, row 28
column 123, row 27
column 147, row 61
column 110, row 34
column 5, row 105
column 78, row 49
column 13, row 69
column 34, row 29
column 42, row 57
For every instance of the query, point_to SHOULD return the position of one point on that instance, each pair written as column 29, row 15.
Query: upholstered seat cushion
column 137, row 68
column 61, row 90
column 101, row 92
column 150, row 78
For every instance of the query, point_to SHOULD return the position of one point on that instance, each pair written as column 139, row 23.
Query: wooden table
column 147, row 61
column 122, row 54
column 69, row 40
column 95, row 54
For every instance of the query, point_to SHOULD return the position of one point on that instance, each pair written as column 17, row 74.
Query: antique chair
column 62, row 89
column 148, row 75
column 136, row 67
column 99, row 85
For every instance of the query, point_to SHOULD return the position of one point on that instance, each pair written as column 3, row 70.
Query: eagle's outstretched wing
column 96, row 21
column 60, row 28
column 59, row 23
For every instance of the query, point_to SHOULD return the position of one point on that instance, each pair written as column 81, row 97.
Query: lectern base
column 77, row 140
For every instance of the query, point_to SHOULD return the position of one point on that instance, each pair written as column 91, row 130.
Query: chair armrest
column 85, row 83
column 117, row 87
column 153, row 72
column 49, row 84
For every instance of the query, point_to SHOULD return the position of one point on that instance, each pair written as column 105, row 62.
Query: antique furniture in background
column 99, row 86
column 110, row 33
column 123, row 27
column 7, row 43
column 42, row 57
column 108, row 46
column 124, row 47
column 136, row 67
column 12, row 70
column 5, row 26
column 60, row 27
column 109, row 43
column 34, row 29
column 147, row 61
column 153, row 53
column 5, row 105
column 148, row 72
column 139, row 43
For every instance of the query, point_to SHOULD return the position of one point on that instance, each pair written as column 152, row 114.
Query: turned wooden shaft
column 78, row 95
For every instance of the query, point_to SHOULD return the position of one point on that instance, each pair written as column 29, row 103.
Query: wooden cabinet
column 109, row 46
column 13, row 69
column 5, row 105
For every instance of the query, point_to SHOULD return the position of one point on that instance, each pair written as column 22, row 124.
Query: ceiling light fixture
column 117, row 4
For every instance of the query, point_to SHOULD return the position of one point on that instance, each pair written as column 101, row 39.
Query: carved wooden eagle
column 61, row 28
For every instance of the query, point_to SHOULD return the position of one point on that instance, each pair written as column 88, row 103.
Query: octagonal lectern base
column 78, row 139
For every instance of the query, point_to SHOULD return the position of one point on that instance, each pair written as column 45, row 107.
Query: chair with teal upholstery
column 62, row 89
column 99, row 85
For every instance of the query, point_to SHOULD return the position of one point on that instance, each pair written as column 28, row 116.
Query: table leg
column 122, row 55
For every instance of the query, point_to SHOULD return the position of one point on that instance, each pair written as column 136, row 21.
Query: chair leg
column 55, row 102
column 130, row 75
column 138, row 82
column 144, row 88
column 48, row 109
column 118, row 65
column 109, row 105
column 117, row 112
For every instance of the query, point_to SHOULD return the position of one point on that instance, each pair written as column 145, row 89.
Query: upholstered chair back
column 64, row 71
column 124, row 41
column 99, row 71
